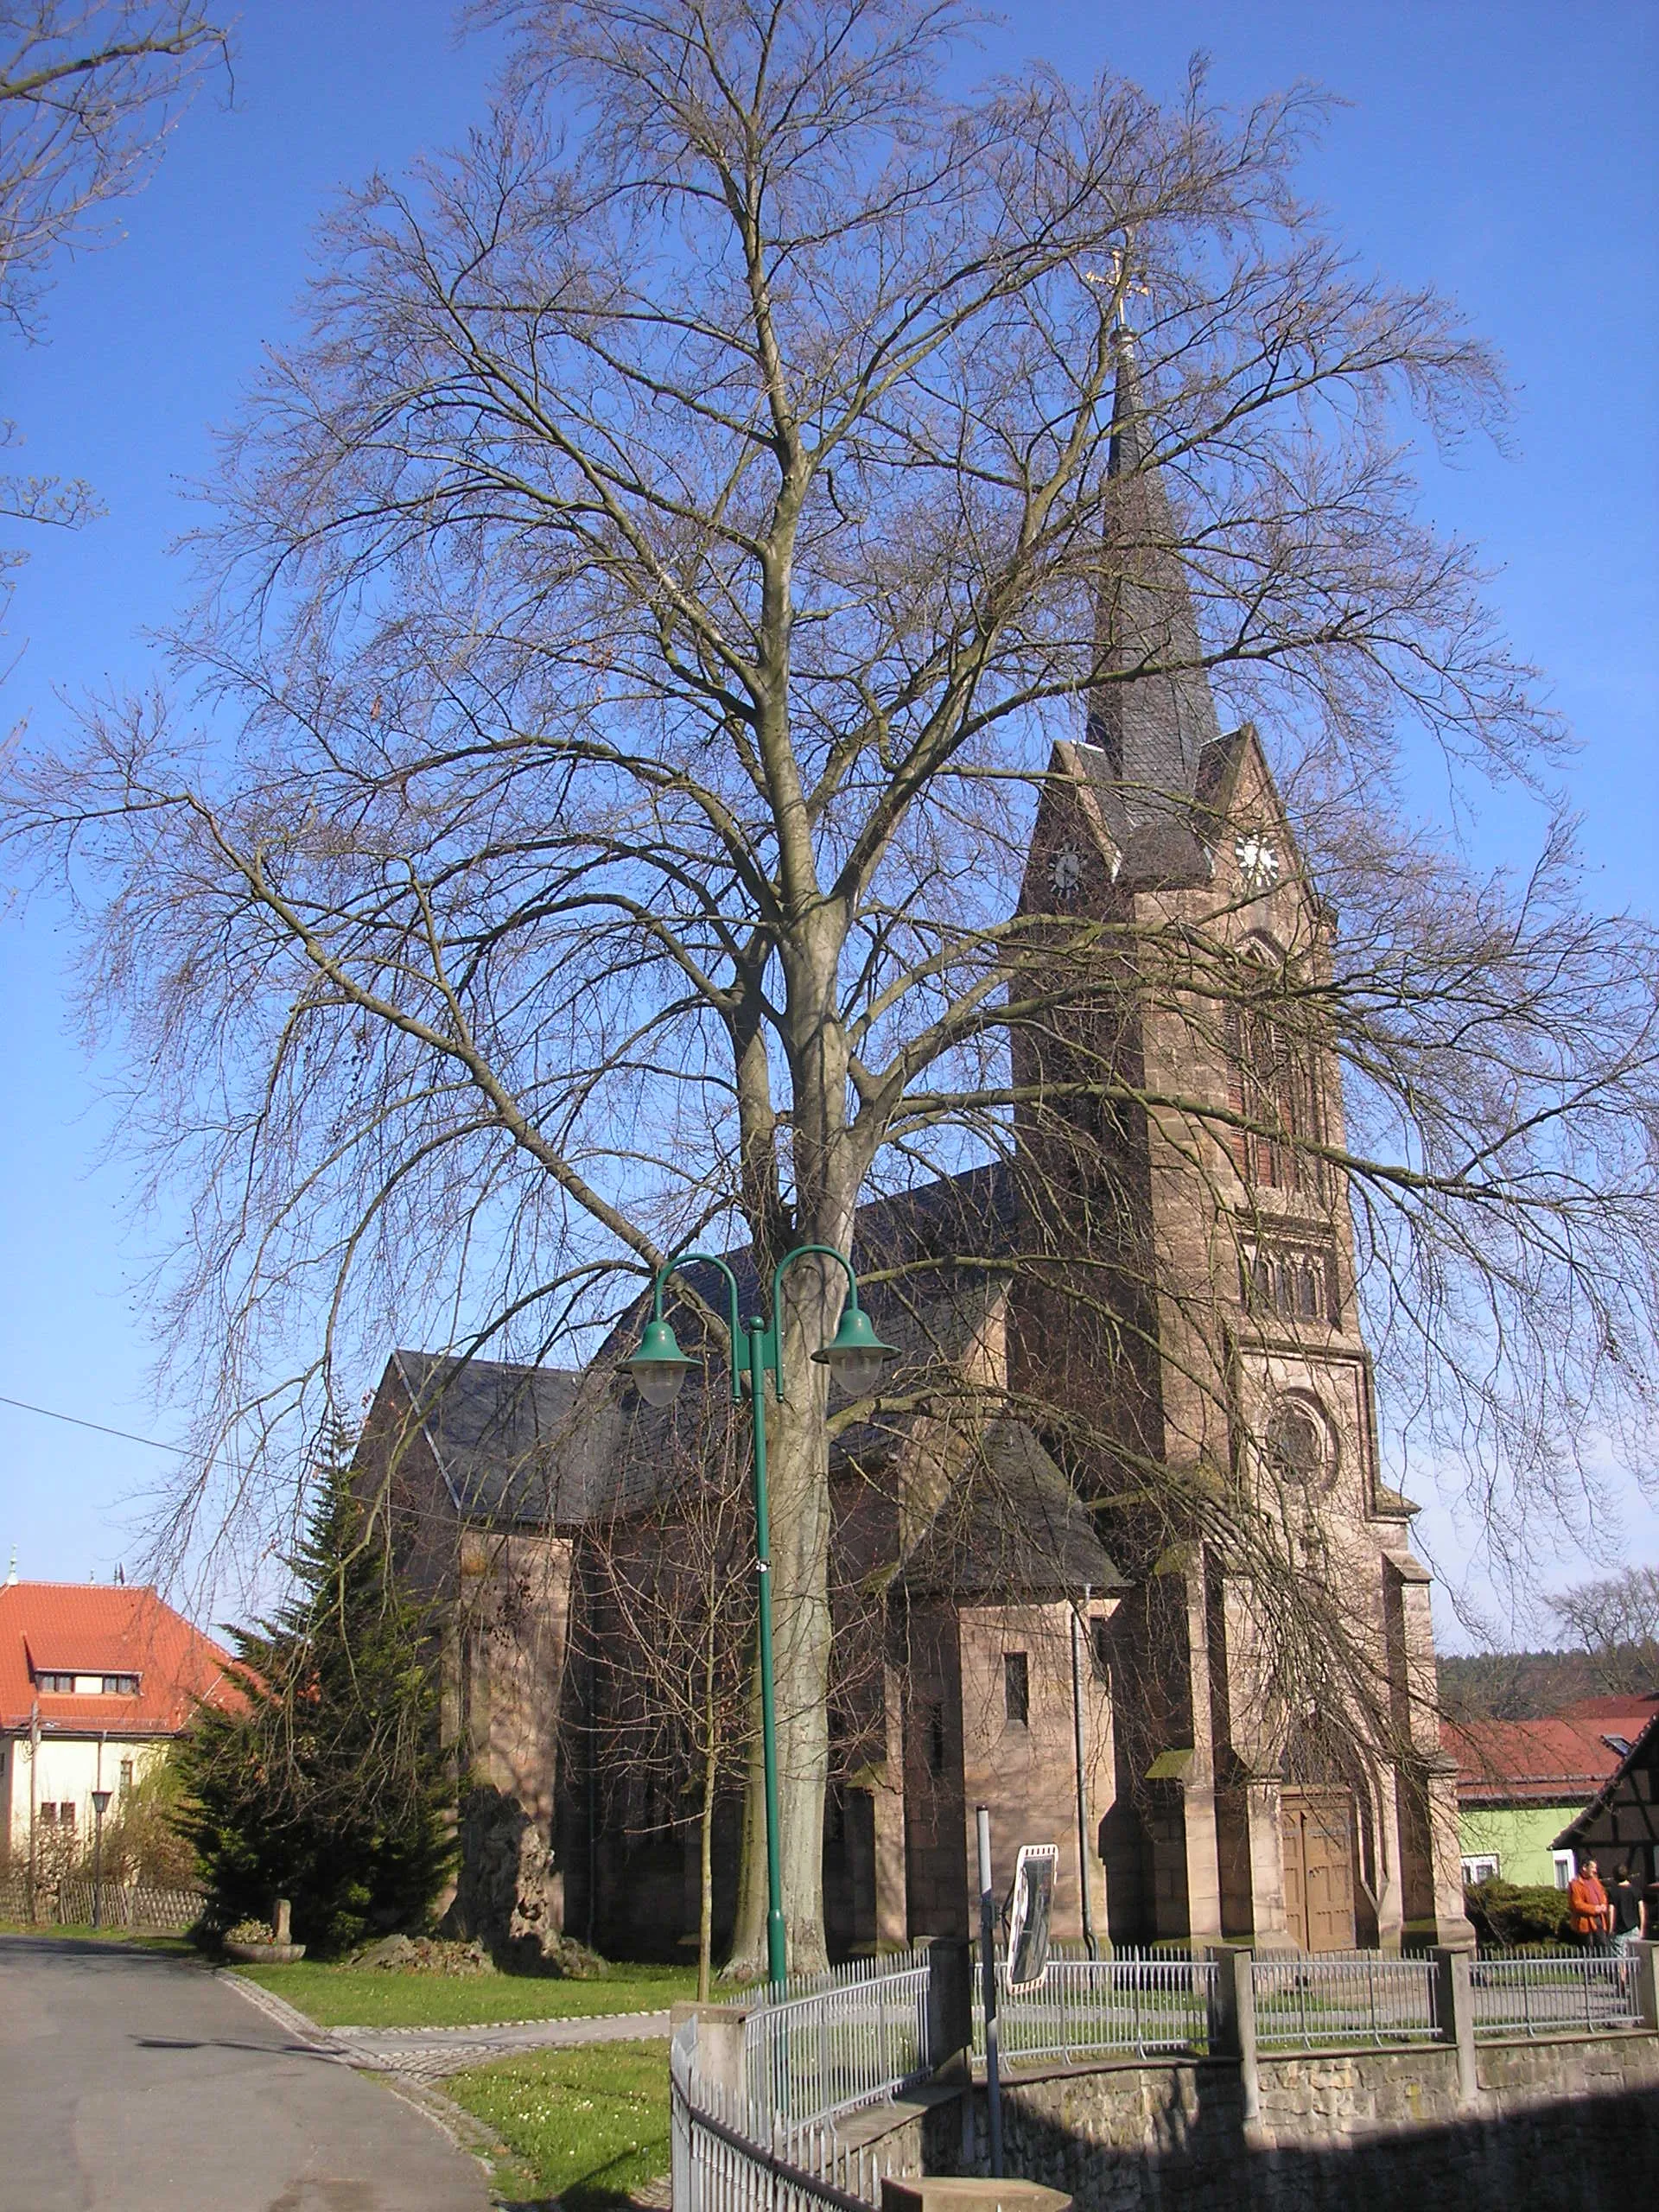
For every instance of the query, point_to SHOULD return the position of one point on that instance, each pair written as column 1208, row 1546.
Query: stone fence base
column 1569, row 2124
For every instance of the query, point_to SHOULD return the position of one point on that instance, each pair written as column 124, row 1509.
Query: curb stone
column 286, row 2015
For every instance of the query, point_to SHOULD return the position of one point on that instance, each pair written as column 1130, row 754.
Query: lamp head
column 857, row 1357
column 658, row 1366
column 100, row 1802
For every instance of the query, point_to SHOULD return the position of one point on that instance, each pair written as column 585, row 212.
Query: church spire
column 1154, row 727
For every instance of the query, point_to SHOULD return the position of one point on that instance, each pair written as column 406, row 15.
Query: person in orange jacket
column 1587, row 1905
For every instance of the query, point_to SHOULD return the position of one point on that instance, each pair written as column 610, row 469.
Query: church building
column 1133, row 1576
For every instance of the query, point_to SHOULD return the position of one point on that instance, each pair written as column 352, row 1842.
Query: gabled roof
column 86, row 1628
column 542, row 1447
column 1553, row 1762
column 1011, row 1528
column 1642, row 1757
column 506, row 1437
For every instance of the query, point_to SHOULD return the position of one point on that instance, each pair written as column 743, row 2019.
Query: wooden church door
column 1317, row 1828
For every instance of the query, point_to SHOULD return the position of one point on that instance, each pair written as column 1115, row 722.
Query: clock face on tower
column 1258, row 863
column 1065, row 873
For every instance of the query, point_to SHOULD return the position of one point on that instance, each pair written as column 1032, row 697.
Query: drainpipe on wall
column 1083, row 1793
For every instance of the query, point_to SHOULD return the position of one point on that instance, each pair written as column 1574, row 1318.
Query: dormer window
column 54, row 1682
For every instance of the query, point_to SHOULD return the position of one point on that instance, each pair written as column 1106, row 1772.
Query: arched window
column 1271, row 1088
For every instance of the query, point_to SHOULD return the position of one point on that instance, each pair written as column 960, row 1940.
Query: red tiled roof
column 87, row 1628
column 1541, row 1762
column 1640, row 1757
column 1612, row 1710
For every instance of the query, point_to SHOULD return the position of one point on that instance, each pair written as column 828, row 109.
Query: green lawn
column 590, row 2126
column 377, row 1997
column 176, row 1947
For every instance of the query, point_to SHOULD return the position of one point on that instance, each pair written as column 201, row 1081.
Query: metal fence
column 729, row 2156
column 1358, row 1996
column 1553, row 1994
column 1139, row 2001
column 69, row 1903
column 831, row 2043
column 835, row 2041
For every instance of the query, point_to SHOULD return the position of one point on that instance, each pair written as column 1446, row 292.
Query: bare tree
column 1617, row 1622
column 677, row 1600
column 637, row 620
column 670, row 1626
column 89, row 91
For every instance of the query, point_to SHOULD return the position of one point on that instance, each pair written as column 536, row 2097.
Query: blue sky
column 1508, row 153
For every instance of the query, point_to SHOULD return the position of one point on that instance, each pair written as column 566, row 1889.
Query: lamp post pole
column 100, row 1802
column 777, row 1955
column 659, row 1367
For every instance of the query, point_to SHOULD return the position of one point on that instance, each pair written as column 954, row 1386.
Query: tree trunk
column 797, row 1467
column 706, row 1875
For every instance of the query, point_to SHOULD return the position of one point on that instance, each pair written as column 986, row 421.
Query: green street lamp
column 658, row 1368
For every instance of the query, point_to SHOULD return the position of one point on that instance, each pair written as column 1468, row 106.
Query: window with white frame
column 1481, row 1867
column 1564, row 1868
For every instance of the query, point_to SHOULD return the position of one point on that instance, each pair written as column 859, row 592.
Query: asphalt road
column 131, row 2082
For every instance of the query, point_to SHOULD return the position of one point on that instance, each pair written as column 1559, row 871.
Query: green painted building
column 1521, row 1783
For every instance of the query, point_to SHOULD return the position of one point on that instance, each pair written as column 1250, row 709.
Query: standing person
column 1587, row 1905
column 1650, row 1906
column 1624, row 1915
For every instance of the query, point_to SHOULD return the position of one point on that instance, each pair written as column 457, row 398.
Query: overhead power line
column 50, row 1413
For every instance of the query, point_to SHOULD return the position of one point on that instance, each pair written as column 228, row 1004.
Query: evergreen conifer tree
column 327, row 1783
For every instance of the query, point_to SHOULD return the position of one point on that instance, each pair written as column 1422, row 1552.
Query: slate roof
column 1012, row 1526
column 86, row 1628
column 1150, row 743
column 915, row 1235
column 505, row 1436
column 542, row 1447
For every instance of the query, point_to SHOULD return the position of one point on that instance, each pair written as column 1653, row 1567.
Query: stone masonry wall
column 1568, row 2125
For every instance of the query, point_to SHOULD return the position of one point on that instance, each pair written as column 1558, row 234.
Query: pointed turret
column 1152, row 729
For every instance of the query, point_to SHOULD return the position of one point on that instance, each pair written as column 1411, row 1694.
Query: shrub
column 146, row 1839
column 1506, row 1915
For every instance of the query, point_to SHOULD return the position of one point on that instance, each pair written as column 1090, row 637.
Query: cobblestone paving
column 427, row 2054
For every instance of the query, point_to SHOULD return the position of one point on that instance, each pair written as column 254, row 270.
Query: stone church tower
column 1199, row 1316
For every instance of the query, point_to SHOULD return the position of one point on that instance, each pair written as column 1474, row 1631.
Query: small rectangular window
column 65, row 1813
column 936, row 1737
column 57, row 1685
column 1563, row 1860
column 126, row 1777
column 1016, row 1689
column 120, row 1685
column 48, row 1813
